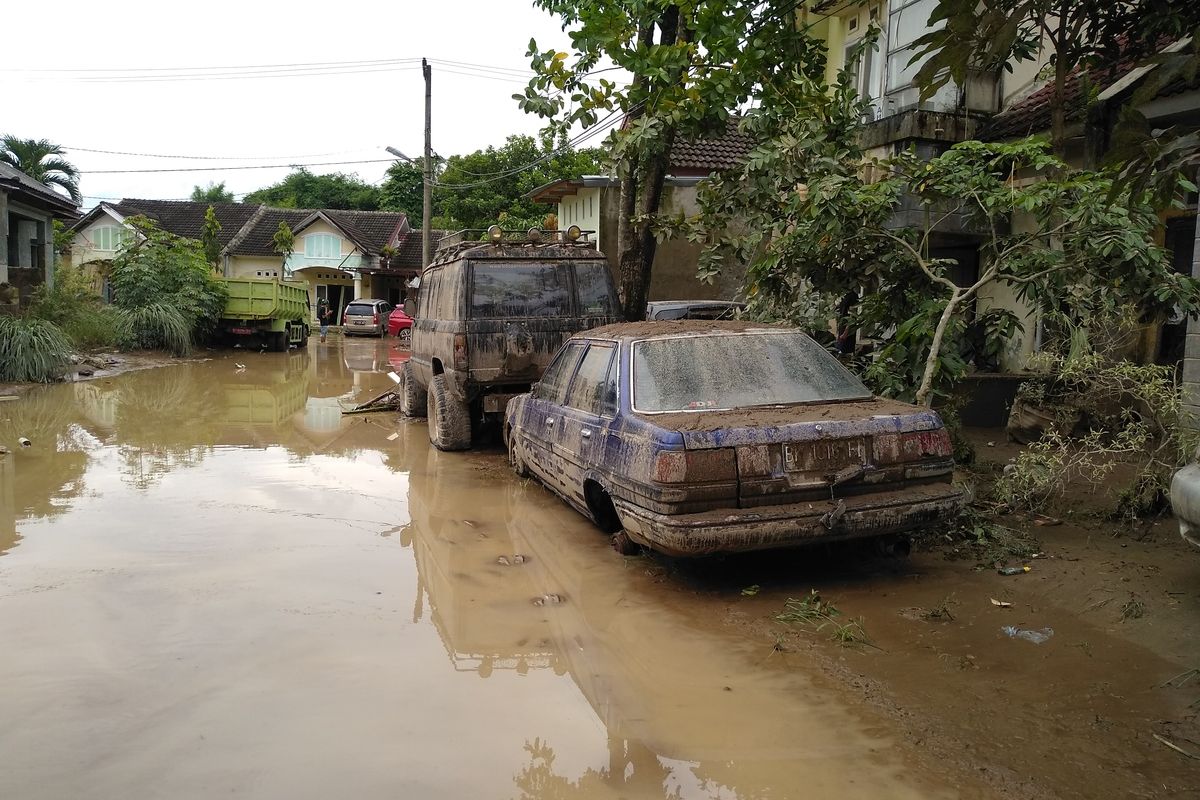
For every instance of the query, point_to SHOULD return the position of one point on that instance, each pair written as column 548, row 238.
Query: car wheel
column 413, row 399
column 516, row 457
column 449, row 421
column 624, row 545
column 405, row 335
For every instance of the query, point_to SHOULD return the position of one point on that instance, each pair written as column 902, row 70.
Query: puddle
column 212, row 583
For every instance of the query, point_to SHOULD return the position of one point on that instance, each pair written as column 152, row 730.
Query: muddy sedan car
column 698, row 437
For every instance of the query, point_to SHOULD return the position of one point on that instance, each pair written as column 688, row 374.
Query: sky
column 218, row 79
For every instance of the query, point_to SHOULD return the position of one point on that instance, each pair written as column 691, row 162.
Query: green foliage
column 403, row 189
column 284, row 241
column 156, row 326
column 209, row 241
column 488, row 186
column 32, row 349
column 156, row 269
column 1129, row 416
column 303, row 189
column 73, row 304
column 694, row 65
column 64, row 237
column 213, row 193
column 818, row 614
column 43, row 161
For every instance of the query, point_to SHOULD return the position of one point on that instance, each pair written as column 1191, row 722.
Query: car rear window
column 722, row 371
column 593, row 282
column 359, row 310
column 520, row 290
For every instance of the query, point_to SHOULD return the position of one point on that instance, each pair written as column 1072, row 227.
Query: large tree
column 213, row 193
column 693, row 65
column 43, row 161
column 403, row 190
column 303, row 189
column 489, row 186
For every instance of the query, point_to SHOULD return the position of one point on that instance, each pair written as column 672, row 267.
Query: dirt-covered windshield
column 697, row 373
column 524, row 290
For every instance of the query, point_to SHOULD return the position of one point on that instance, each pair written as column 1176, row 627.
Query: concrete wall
column 21, row 226
column 1191, row 355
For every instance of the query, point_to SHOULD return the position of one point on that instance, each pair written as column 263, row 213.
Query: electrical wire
column 239, row 167
column 215, row 158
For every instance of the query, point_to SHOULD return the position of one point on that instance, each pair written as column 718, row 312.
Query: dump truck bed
column 256, row 298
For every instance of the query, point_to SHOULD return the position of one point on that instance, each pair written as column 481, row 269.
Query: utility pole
column 427, row 209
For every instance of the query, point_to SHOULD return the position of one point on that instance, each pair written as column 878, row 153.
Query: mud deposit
column 212, row 583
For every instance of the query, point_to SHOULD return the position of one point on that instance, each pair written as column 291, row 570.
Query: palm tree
column 41, row 160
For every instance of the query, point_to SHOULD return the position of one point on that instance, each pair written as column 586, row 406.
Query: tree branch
column 917, row 257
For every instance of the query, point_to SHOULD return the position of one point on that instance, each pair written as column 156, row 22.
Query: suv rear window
column 594, row 284
column 359, row 310
column 520, row 290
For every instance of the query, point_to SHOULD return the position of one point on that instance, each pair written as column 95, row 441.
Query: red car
column 400, row 324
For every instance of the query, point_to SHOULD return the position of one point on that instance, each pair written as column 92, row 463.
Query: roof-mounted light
column 535, row 235
column 495, row 234
column 573, row 233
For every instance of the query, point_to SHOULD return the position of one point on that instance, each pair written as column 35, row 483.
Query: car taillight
column 375, row 319
column 460, row 351
column 895, row 448
column 700, row 466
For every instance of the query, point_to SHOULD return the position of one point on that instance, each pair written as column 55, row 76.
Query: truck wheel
column 278, row 341
column 413, row 399
column 449, row 421
column 303, row 337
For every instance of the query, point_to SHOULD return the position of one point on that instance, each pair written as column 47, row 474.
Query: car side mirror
column 410, row 308
column 536, row 390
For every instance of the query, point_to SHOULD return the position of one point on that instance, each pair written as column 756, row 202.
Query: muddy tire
column 624, row 545
column 516, row 457
column 277, row 342
column 405, row 335
column 303, row 338
column 449, row 419
column 413, row 399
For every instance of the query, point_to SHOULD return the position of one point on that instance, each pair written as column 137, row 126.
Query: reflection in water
column 210, row 600
column 514, row 580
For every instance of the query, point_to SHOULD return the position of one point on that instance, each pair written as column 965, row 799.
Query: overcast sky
column 105, row 76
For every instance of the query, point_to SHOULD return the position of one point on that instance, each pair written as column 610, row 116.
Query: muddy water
column 214, row 583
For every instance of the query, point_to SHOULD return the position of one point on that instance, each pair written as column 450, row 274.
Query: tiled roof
column 408, row 253
column 16, row 179
column 371, row 230
column 259, row 239
column 1033, row 114
column 704, row 155
column 186, row 217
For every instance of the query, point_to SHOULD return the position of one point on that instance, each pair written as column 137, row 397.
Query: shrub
column 32, row 349
column 156, row 326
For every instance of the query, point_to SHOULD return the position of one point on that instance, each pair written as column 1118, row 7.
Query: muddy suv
column 490, row 316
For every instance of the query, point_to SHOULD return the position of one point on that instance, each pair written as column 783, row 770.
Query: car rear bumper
column 792, row 525
column 1185, row 502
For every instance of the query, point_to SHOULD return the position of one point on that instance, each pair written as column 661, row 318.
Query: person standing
column 324, row 316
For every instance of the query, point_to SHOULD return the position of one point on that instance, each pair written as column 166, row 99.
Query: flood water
column 213, row 583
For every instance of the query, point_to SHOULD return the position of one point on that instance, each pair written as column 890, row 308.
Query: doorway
column 337, row 296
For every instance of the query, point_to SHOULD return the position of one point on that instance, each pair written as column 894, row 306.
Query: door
column 582, row 427
column 540, row 424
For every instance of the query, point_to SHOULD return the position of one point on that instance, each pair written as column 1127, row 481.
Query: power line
column 210, row 67
column 214, row 158
column 225, row 169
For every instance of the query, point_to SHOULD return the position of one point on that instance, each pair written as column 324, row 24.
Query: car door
column 582, row 426
column 539, row 426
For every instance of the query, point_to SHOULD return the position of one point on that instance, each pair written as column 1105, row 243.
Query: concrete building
column 28, row 209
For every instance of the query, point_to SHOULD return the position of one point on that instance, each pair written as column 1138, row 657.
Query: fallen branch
column 1176, row 747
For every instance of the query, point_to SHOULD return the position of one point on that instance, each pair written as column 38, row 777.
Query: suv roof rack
column 475, row 237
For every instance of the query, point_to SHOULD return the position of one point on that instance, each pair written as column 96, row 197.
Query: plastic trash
column 1037, row 637
column 1013, row 570
column 24, row 442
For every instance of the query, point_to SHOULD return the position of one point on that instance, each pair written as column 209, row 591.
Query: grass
column 156, row 326
column 94, row 328
column 818, row 614
column 32, row 350
column 942, row 609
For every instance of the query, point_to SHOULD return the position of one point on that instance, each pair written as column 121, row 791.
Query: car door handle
column 550, row 421
column 586, row 433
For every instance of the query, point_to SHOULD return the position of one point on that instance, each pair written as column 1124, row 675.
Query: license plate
column 824, row 455
column 242, row 331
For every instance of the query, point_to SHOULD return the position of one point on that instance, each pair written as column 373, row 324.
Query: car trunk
column 821, row 451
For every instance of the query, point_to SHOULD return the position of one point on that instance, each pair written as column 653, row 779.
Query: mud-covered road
column 212, row 583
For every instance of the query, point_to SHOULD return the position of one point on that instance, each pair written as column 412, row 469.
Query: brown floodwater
column 213, row 583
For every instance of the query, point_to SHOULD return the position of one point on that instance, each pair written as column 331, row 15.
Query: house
column 28, row 209
column 341, row 255
column 592, row 203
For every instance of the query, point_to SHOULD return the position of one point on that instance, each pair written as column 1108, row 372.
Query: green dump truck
column 265, row 313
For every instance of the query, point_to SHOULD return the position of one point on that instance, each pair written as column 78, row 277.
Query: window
column 429, row 291
column 107, row 237
column 594, row 285
column 908, row 20
column 553, row 384
column 588, row 391
column 520, row 290
column 322, row 245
